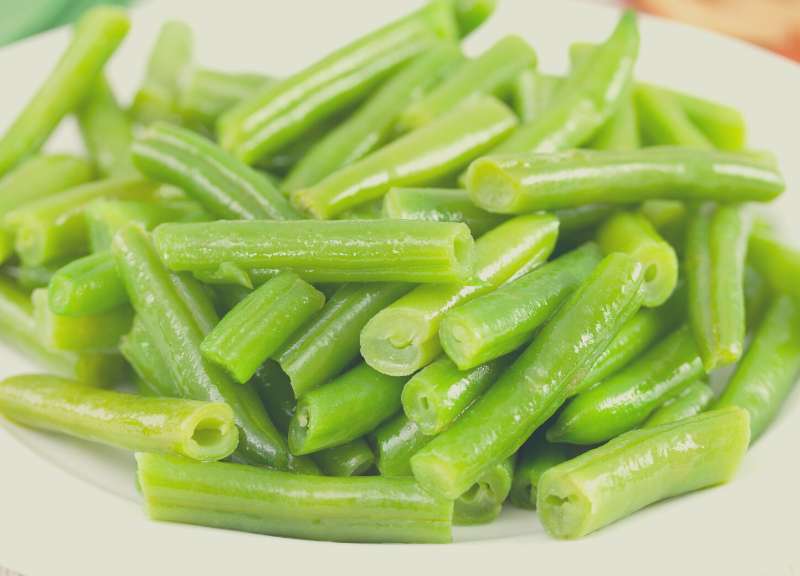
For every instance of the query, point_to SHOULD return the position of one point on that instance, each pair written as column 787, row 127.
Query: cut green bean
column 521, row 183
column 639, row 468
column 396, row 442
column 233, row 496
column 777, row 262
column 404, row 337
column 663, row 120
column 436, row 395
column 335, row 251
column 345, row 409
column 330, row 341
column 96, row 37
column 32, row 277
column 716, row 248
column 532, row 93
column 88, row 286
column 373, row 123
column 199, row 430
column 538, row 382
column 757, row 295
column 723, row 126
column 421, row 157
column 769, row 369
column 534, row 458
column 492, row 72
column 260, row 324
column 503, row 320
column 624, row 401
column 223, row 185
column 351, row 459
column 148, row 361
column 691, row 401
column 470, row 14
column 483, row 502
column 634, row 234
column 204, row 95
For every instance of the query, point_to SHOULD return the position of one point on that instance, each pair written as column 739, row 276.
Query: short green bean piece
column 351, row 459
column 252, row 499
column 519, row 183
column 624, row 401
column 633, row 234
column 87, row 286
column 535, row 458
column 149, row 363
column 470, row 14
column 396, row 441
column 691, row 401
column 757, row 295
column 257, row 327
column 503, row 320
column 663, row 120
column 285, row 110
column 345, row 409
column 587, row 99
column 438, row 205
column 538, row 382
column 223, row 185
column 98, row 333
column 723, row 126
column 325, row 251
column 532, row 93
column 438, row 149
column 404, row 337
column 777, row 262
column 199, row 430
column 716, row 249
column 96, row 37
column 491, row 72
column 639, row 468
column 373, row 123
column 329, row 342
column 770, row 367
column 204, row 94
column 483, row 502
column 436, row 395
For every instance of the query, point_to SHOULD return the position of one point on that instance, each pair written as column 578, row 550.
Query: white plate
column 70, row 507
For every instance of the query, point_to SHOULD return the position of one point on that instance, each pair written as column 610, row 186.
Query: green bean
column 356, row 509
column 19, row 330
column 96, row 333
column 329, row 342
column 88, row 286
column 204, row 95
column 148, row 361
column 483, row 502
column 284, row 111
column 532, row 93
column 96, row 37
column 438, row 205
column 169, row 62
column 534, row 458
column 716, row 246
column 503, row 320
column 669, row 219
column 663, row 120
column 257, row 327
column 367, row 211
column 198, row 430
column 345, row 409
column 470, row 14
column 692, row 400
column 404, row 337
column 520, row 183
column 722, row 125
column 396, row 441
column 337, row 251
column 769, row 369
column 439, row 393
column 778, row 263
column 492, row 72
column 538, row 382
column 757, row 295
column 54, row 227
column 587, row 99
column 423, row 156
column 174, row 316
column 106, row 131
column 351, row 459
column 32, row 277
column 639, row 468
column 634, row 234
column 624, row 401
column 219, row 182
column 373, row 123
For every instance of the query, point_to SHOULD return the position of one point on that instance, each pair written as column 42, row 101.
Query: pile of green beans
column 396, row 289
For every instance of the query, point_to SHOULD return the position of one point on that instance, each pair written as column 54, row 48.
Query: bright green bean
column 352, row 459
column 534, row 458
column 639, row 468
column 404, row 337
column 483, row 502
column 204, row 95
column 663, row 120
column 532, row 93
column 470, row 14
column 148, row 361
column 88, row 286
column 777, row 262
column 396, row 441
column 533, row 388
column 691, row 401
column 721, row 124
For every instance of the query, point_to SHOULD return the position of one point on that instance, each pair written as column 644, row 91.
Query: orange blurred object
column 774, row 24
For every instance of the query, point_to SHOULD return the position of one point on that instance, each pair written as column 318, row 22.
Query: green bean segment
column 87, row 286
column 352, row 459
column 396, row 441
column 206, row 94
column 535, row 458
column 532, row 93
column 692, row 400
column 483, row 502
column 149, row 363
column 639, row 468
column 723, row 126
column 777, row 262
column 663, row 120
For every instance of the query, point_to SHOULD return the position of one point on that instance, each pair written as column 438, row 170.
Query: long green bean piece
column 404, row 337
column 535, row 458
column 695, row 398
column 639, row 468
column 334, row 251
column 199, row 430
column 204, row 94
column 483, row 502
column 96, row 37
column 538, row 382
column 424, row 156
column 355, row 509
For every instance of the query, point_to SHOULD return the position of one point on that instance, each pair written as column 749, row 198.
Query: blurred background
column 773, row 24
